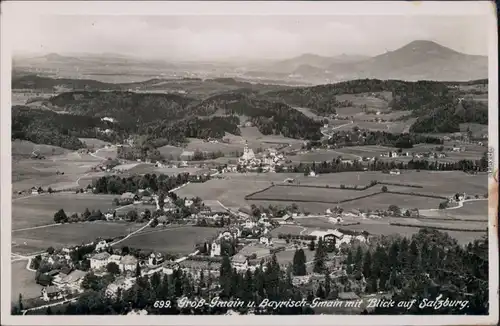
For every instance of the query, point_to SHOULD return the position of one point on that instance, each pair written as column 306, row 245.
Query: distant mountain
column 418, row 60
column 313, row 61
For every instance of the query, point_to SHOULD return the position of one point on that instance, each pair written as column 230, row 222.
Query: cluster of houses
column 267, row 161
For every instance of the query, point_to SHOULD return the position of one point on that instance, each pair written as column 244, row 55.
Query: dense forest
column 47, row 127
column 130, row 109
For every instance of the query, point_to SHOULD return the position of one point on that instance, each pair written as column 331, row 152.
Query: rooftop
column 101, row 256
column 128, row 260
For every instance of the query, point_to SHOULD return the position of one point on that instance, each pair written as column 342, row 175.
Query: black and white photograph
column 244, row 160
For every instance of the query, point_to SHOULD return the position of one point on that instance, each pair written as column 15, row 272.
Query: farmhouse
column 287, row 219
column 51, row 293
column 99, row 260
column 128, row 198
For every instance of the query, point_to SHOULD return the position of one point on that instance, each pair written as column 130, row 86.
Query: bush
column 384, row 189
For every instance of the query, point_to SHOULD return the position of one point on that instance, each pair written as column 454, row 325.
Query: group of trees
column 116, row 185
column 336, row 166
column 428, row 264
column 61, row 217
column 359, row 137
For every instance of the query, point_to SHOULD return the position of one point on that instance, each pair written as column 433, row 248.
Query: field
column 321, row 155
column 24, row 148
column 288, row 229
column 40, row 209
column 230, row 192
column 181, row 239
column 474, row 210
column 94, row 142
column 23, row 281
column 383, row 201
column 65, row 235
column 298, row 193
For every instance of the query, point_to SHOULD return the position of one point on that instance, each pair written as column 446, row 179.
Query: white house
column 286, row 219
column 34, row 191
column 128, row 263
column 215, row 249
column 51, row 293
column 188, row 202
column 99, row 260
column 155, row 259
column 312, row 174
column 120, row 283
column 101, row 246
column 266, row 240
column 395, row 172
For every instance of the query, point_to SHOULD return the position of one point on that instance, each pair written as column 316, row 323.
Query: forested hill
column 127, row 107
column 270, row 117
column 429, row 101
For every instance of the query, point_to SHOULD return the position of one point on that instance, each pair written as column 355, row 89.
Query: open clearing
column 383, row 201
column 321, row 156
column 181, row 239
column 474, row 210
column 72, row 234
column 26, row 148
column 40, row 209
column 287, row 229
column 23, row 282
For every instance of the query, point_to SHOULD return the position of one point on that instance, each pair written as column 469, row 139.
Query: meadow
column 65, row 235
column 23, row 282
column 39, row 210
column 175, row 239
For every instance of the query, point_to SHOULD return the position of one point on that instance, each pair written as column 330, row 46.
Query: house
column 120, row 283
column 266, row 240
column 286, row 219
column 34, row 191
column 128, row 198
column 183, row 164
column 240, row 262
column 51, row 293
column 72, row 281
column 395, row 172
column 115, row 259
column 169, row 267
column 99, row 260
column 155, row 259
column 109, row 216
column 188, row 202
column 169, row 207
column 312, row 174
column 101, row 246
column 215, row 248
column 128, row 263
column 335, row 219
column 162, row 220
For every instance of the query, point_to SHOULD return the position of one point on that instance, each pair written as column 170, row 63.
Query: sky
column 196, row 37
